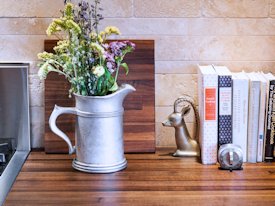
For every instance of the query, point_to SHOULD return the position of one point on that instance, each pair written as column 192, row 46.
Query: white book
column 207, row 93
column 253, row 117
column 240, row 111
column 225, row 105
column 261, row 132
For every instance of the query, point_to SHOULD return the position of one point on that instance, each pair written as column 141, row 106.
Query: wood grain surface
column 139, row 117
column 150, row 179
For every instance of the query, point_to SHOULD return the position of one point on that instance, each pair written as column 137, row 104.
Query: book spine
column 208, row 115
column 260, row 149
column 240, row 114
column 225, row 110
column 270, row 123
column 253, row 123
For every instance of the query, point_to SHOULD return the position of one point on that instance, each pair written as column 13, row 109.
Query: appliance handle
column 52, row 122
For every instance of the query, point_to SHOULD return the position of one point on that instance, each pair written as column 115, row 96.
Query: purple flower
column 109, row 56
column 116, row 47
column 110, row 67
column 105, row 46
column 130, row 44
column 84, row 5
column 121, row 44
column 111, row 64
column 115, row 51
column 91, row 60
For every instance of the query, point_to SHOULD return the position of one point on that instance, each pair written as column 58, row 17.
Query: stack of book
column 236, row 108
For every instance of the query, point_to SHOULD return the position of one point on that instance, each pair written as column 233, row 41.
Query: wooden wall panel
column 139, row 117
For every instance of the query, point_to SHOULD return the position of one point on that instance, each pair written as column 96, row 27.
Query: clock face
column 233, row 161
column 230, row 157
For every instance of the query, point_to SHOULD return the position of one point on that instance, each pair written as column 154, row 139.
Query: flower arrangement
column 82, row 55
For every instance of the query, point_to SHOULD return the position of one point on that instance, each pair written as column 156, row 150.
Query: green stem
column 118, row 66
column 100, row 61
column 59, row 71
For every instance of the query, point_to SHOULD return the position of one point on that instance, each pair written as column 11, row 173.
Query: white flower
column 98, row 71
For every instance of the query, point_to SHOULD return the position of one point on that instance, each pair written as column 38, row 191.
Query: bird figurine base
column 183, row 153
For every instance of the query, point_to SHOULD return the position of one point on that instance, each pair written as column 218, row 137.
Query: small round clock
column 230, row 157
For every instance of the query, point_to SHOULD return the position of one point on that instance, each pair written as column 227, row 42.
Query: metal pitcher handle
column 52, row 122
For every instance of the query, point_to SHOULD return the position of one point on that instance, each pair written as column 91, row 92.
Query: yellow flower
column 63, row 42
column 99, row 38
column 69, row 10
column 102, row 33
column 111, row 30
column 98, row 48
column 93, row 35
column 58, row 22
column 74, row 26
column 55, row 26
column 44, row 56
column 98, row 71
column 61, row 46
column 51, row 29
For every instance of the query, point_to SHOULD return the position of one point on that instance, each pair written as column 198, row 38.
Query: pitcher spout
column 125, row 89
column 119, row 96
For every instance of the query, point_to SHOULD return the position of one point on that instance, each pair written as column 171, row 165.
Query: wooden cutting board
column 139, row 116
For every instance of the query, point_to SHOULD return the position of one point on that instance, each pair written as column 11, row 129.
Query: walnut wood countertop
column 150, row 179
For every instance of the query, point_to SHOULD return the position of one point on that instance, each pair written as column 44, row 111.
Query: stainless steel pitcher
column 98, row 131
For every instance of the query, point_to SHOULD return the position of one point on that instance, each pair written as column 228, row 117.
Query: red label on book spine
column 210, row 104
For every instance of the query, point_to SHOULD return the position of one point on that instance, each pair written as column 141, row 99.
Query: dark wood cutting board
column 139, row 116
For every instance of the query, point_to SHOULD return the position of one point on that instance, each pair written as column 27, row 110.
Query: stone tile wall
column 237, row 33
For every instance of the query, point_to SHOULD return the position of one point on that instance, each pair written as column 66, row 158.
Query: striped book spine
column 225, row 105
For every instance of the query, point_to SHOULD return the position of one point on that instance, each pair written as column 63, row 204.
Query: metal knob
column 230, row 157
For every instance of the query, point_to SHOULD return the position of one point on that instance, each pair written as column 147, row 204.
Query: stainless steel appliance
column 14, row 123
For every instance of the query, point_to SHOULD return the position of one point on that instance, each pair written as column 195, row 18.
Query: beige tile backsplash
column 238, row 34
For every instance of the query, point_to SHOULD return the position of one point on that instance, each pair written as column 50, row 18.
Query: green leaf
column 118, row 59
column 114, row 87
column 84, row 92
column 111, row 81
column 70, row 66
column 126, row 68
column 99, row 85
column 107, row 73
column 104, row 88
